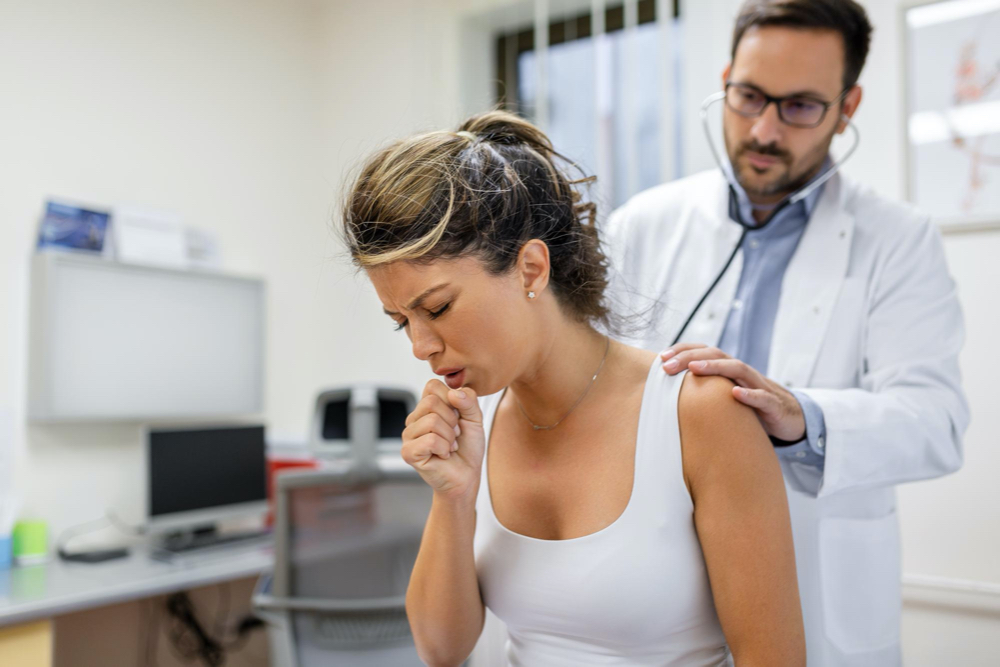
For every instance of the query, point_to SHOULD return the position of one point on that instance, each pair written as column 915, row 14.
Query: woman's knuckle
column 407, row 454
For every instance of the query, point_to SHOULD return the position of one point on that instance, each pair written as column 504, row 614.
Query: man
column 837, row 319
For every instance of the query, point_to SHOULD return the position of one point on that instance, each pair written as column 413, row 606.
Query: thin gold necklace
column 539, row 427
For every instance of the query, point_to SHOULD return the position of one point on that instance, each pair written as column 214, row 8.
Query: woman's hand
column 444, row 440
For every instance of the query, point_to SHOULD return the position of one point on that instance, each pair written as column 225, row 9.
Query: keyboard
column 197, row 544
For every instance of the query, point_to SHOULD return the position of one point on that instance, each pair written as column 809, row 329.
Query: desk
column 31, row 596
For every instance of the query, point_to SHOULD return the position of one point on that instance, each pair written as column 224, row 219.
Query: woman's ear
column 533, row 263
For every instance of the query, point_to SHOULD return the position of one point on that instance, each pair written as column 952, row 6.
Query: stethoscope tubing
column 734, row 207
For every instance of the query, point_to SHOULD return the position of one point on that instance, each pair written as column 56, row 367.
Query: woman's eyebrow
column 416, row 303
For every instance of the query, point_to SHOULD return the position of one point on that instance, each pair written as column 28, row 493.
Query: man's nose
column 767, row 128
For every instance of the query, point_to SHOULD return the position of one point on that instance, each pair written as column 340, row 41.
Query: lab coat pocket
column 860, row 566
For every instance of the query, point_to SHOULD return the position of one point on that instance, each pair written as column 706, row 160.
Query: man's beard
column 787, row 182
column 782, row 186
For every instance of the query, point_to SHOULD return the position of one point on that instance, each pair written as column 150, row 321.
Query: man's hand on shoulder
column 777, row 408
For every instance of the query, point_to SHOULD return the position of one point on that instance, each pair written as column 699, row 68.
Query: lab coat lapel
column 810, row 288
column 717, row 235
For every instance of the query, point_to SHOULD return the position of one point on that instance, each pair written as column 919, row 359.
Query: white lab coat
column 869, row 326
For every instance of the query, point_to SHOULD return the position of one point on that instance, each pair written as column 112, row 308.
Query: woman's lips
column 456, row 379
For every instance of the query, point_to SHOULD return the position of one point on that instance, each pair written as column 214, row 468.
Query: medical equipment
column 362, row 426
column 734, row 204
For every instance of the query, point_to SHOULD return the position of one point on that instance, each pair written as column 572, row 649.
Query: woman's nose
column 425, row 342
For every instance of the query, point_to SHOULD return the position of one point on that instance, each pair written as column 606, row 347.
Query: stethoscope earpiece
column 733, row 199
column 795, row 196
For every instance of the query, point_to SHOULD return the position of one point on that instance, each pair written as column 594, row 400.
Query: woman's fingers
column 432, row 428
column 433, row 404
column 419, row 450
column 432, row 423
column 445, row 422
column 465, row 401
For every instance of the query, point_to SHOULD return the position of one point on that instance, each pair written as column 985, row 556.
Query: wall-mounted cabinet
column 113, row 341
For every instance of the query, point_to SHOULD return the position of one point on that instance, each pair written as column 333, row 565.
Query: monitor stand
column 204, row 538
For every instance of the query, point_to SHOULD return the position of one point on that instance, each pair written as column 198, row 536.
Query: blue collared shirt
column 750, row 323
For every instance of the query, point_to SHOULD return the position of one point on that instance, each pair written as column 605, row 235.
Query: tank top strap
column 660, row 467
column 488, row 406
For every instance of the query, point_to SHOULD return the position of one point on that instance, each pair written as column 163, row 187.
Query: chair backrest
column 344, row 549
column 337, row 538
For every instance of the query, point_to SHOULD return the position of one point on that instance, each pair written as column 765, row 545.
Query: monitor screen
column 335, row 420
column 392, row 414
column 194, row 470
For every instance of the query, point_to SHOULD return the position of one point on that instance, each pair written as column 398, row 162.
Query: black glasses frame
column 768, row 99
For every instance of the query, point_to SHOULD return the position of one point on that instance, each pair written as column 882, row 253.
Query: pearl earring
column 531, row 295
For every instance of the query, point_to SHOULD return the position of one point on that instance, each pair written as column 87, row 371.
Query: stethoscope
column 734, row 203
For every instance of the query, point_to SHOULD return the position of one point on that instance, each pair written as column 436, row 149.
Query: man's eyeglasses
column 795, row 110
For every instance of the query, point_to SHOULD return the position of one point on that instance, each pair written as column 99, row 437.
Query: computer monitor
column 196, row 477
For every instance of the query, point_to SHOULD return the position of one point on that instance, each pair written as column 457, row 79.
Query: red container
column 274, row 466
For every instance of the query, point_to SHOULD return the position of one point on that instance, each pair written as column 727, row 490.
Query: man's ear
column 852, row 100
column 534, row 265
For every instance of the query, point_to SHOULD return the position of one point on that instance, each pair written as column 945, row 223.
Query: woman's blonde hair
column 483, row 190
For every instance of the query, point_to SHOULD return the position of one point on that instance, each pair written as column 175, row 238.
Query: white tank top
column 634, row 593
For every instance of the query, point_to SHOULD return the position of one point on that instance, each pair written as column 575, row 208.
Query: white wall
column 194, row 107
column 242, row 115
column 950, row 526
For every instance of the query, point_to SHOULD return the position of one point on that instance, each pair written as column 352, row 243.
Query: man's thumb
column 464, row 400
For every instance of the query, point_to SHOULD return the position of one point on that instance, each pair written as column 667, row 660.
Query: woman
column 608, row 513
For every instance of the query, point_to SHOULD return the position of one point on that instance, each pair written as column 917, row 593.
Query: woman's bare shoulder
column 707, row 397
column 717, row 430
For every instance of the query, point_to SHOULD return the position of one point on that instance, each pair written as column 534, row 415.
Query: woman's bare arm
column 444, row 441
column 442, row 602
column 741, row 515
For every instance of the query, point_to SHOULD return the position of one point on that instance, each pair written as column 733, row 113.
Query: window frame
column 511, row 44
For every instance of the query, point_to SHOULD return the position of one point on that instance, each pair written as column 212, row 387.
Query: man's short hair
column 843, row 16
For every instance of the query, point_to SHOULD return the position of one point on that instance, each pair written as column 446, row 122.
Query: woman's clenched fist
column 444, row 440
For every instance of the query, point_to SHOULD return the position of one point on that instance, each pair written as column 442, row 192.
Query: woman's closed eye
column 433, row 314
